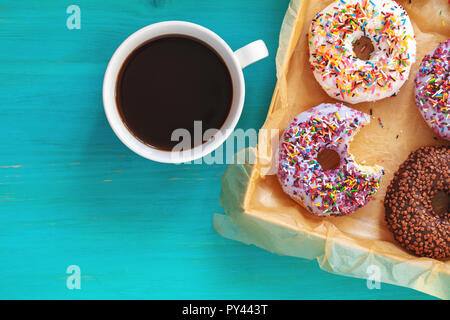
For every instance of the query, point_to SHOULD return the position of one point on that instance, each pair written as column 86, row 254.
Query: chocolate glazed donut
column 408, row 203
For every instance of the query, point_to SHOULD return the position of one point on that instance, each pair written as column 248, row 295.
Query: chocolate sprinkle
column 408, row 203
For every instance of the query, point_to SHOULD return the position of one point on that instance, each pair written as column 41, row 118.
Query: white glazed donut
column 334, row 192
column 335, row 66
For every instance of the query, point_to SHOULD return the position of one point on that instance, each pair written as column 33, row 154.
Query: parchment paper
column 259, row 213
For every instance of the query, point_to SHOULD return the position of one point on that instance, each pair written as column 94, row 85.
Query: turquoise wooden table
column 72, row 194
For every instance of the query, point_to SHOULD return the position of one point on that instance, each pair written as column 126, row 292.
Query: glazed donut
column 334, row 192
column 335, row 66
column 432, row 89
column 409, row 213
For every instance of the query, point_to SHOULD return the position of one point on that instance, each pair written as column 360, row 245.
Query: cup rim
column 134, row 41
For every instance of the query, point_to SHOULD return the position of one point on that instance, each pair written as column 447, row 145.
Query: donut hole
column 363, row 48
column 328, row 159
column 441, row 203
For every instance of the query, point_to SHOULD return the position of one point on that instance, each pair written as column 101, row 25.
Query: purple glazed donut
column 335, row 192
column 432, row 89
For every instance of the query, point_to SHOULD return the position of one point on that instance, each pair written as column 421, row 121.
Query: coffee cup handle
column 251, row 53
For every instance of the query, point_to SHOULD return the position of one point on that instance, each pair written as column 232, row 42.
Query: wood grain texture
column 71, row 193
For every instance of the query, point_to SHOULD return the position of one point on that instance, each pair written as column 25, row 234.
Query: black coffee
column 170, row 82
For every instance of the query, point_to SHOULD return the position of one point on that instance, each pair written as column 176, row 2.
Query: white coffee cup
column 235, row 61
